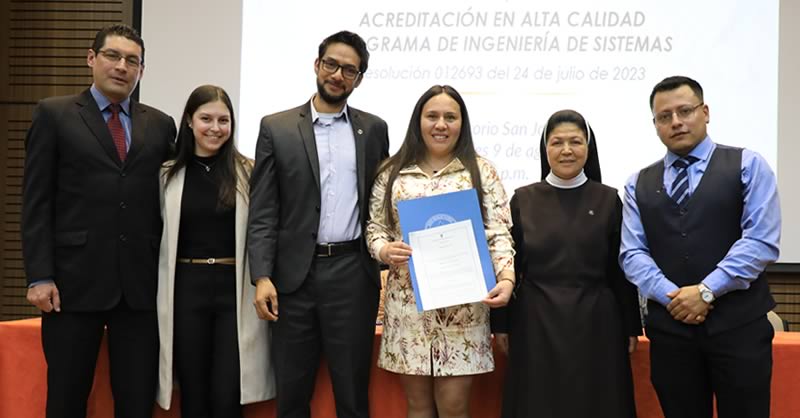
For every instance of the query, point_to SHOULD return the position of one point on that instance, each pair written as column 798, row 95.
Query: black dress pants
column 71, row 342
column 206, row 355
column 734, row 366
column 332, row 313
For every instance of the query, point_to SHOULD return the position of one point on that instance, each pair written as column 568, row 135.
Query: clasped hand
column 687, row 306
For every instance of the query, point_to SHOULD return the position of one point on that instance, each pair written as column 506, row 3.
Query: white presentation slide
column 514, row 61
column 517, row 62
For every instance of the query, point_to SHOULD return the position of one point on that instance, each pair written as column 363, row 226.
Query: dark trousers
column 734, row 366
column 333, row 312
column 206, row 345
column 71, row 342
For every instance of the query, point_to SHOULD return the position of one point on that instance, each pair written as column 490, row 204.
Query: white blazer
column 257, row 374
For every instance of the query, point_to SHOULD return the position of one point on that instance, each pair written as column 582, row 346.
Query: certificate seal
column 439, row 219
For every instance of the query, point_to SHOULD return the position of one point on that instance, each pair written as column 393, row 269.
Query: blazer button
column 684, row 235
column 123, row 174
column 314, row 235
column 123, row 237
column 122, row 205
column 317, row 208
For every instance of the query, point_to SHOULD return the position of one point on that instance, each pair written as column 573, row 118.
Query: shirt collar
column 572, row 183
column 701, row 151
column 452, row 166
column 342, row 113
column 103, row 102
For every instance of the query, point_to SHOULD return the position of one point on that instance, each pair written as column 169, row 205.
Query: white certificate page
column 447, row 265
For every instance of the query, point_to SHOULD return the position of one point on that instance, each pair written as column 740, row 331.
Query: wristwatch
column 705, row 293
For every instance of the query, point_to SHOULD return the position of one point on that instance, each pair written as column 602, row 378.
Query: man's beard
column 331, row 99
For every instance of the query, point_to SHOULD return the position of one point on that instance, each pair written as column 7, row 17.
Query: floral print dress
column 450, row 341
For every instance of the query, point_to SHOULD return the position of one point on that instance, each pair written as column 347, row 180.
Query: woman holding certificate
column 575, row 317
column 437, row 352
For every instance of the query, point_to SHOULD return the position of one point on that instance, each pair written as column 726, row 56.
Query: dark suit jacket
column 285, row 193
column 89, row 221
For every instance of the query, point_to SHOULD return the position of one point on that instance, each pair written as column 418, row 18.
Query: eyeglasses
column 349, row 72
column 683, row 112
column 131, row 61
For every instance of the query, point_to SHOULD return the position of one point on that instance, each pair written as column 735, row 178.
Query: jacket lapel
column 173, row 193
column 138, row 129
column 93, row 118
column 361, row 151
column 309, row 141
column 241, row 234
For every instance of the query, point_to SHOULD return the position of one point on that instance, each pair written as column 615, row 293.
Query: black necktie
column 680, row 186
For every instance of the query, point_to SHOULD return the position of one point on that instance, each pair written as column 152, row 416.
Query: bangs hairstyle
column 229, row 159
column 413, row 150
column 592, row 166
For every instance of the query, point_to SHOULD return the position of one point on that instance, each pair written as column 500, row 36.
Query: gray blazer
column 285, row 193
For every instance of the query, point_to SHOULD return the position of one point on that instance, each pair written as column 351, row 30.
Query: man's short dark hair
column 674, row 82
column 351, row 39
column 118, row 29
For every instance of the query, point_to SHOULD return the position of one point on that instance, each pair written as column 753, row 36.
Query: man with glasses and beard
column 309, row 192
column 699, row 228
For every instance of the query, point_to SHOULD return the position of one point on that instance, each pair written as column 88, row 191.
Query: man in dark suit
column 700, row 226
column 91, row 227
column 310, row 187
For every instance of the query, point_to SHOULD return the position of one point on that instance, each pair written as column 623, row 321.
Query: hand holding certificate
column 450, row 264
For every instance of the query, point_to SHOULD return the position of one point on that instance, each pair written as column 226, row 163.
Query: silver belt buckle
column 211, row 260
column 328, row 253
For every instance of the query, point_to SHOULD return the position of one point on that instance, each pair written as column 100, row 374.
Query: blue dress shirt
column 749, row 255
column 124, row 114
column 338, row 178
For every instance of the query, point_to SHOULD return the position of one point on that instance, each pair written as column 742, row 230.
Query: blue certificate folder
column 428, row 212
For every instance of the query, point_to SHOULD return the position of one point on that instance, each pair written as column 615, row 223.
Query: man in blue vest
column 700, row 226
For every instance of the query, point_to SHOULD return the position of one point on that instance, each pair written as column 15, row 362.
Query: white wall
column 788, row 140
column 189, row 43
column 194, row 42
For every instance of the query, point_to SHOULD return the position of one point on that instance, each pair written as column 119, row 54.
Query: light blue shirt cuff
column 42, row 281
column 722, row 283
column 661, row 290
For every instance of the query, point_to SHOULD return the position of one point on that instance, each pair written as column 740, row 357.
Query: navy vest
column 687, row 244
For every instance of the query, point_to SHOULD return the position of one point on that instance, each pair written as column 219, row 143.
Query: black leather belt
column 332, row 249
column 228, row 261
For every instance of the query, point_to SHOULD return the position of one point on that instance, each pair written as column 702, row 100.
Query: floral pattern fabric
column 450, row 341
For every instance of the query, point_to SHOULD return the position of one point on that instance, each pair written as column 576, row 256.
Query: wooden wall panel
column 785, row 287
column 14, row 121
